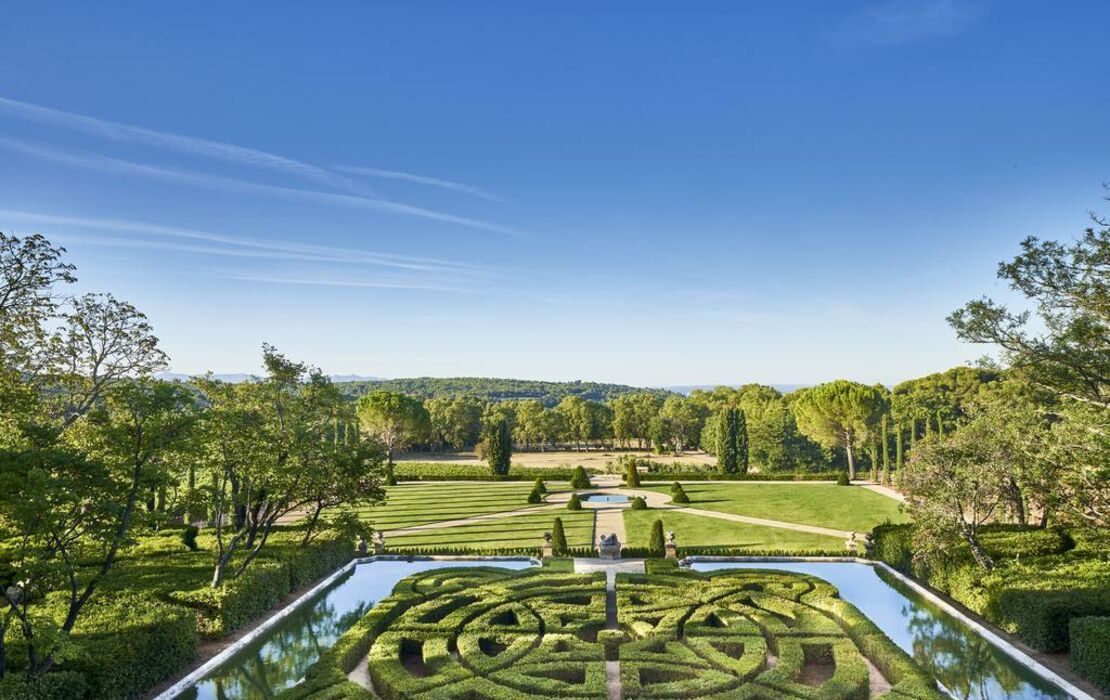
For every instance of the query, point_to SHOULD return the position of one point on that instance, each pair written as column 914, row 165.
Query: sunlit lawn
column 826, row 505
column 515, row 531
column 701, row 531
column 411, row 504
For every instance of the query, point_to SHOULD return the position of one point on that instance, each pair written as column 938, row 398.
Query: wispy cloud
column 116, row 166
column 453, row 286
column 205, row 148
column 235, row 246
column 419, row 179
column 899, row 21
column 222, row 151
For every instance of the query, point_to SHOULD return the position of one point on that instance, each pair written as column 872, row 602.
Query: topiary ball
column 842, row 479
column 575, row 503
column 638, row 503
column 680, row 496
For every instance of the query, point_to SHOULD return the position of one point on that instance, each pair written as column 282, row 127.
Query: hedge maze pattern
column 754, row 634
column 481, row 633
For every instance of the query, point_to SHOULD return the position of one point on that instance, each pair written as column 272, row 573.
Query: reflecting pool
column 605, row 498
column 279, row 658
column 966, row 664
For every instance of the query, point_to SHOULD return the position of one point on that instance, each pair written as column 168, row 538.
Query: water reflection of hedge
column 485, row 633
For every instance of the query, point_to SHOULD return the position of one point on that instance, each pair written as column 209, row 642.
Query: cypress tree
column 558, row 539
column 657, row 546
column 898, row 454
column 500, row 450
column 873, row 454
column 940, row 427
column 728, row 441
column 741, row 442
column 883, row 425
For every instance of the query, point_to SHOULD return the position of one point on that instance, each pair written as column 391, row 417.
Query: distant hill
column 236, row 377
column 550, row 393
column 685, row 389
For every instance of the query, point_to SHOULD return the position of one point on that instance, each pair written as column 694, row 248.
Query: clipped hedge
column 220, row 611
column 130, row 644
column 1042, row 618
column 438, row 471
column 1090, row 649
column 58, row 685
column 1043, row 578
column 705, row 475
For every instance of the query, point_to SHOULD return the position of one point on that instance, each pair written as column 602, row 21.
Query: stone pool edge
column 198, row 674
column 982, row 629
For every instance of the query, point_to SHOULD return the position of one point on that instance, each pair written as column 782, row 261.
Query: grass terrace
column 518, row 531
column 695, row 531
column 411, row 504
column 825, row 505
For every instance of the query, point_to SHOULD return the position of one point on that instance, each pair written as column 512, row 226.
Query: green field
column 700, row 531
column 825, row 505
column 412, row 504
column 517, row 531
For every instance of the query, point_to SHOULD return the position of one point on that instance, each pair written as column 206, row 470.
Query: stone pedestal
column 379, row 542
column 546, row 549
column 609, row 547
column 671, row 547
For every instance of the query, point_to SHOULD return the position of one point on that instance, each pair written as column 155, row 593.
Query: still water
column 605, row 498
column 967, row 665
column 279, row 658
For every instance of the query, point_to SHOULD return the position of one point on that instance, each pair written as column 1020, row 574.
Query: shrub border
column 983, row 630
column 197, row 674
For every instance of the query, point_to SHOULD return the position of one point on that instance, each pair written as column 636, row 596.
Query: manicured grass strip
column 517, row 531
column 826, row 505
column 699, row 531
column 407, row 505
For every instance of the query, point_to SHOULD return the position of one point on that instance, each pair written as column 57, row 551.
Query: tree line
column 837, row 424
column 94, row 451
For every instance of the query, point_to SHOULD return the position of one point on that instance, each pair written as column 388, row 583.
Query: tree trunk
column 851, row 458
column 981, row 557
column 311, row 525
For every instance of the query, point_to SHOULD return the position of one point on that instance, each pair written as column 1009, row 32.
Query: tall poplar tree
column 741, row 441
column 728, row 441
column 500, row 450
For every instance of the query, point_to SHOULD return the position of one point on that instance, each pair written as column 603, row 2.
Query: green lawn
column 700, row 531
column 517, row 531
column 826, row 505
column 419, row 504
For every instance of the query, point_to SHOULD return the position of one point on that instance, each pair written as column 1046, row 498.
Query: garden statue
column 379, row 542
column 850, row 543
column 671, row 547
column 362, row 547
column 546, row 549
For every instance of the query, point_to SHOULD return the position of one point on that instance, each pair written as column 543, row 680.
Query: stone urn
column 671, row 547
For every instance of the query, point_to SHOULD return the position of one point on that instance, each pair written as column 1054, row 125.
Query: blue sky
column 643, row 192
